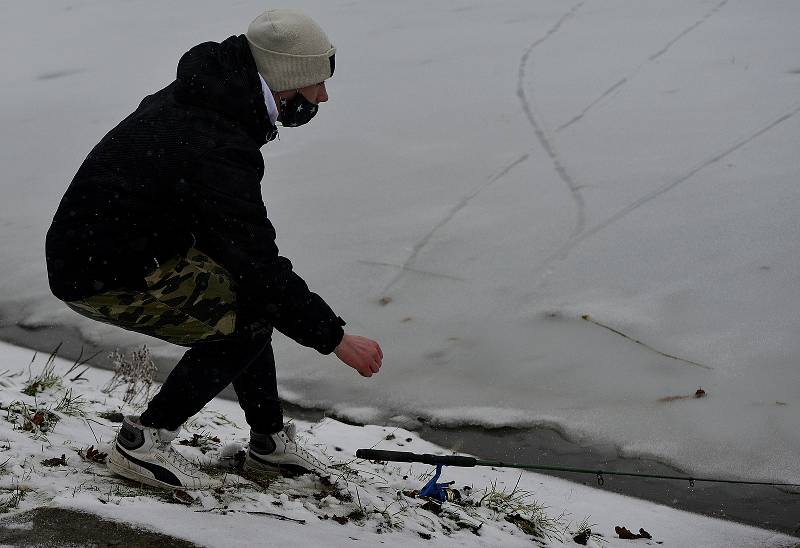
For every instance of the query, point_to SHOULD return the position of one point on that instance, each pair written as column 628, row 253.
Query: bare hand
column 362, row 354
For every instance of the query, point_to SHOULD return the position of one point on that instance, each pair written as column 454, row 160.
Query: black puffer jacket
column 185, row 169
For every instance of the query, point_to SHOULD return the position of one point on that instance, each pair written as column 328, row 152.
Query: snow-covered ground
column 48, row 463
column 485, row 174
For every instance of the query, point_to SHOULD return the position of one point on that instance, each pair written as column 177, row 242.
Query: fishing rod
column 434, row 489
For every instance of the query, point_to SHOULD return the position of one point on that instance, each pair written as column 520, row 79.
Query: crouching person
column 163, row 231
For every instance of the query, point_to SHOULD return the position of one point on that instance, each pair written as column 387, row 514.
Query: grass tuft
column 583, row 532
column 520, row 508
column 45, row 380
column 71, row 405
column 37, row 421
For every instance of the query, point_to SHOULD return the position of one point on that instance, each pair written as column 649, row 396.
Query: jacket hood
column 223, row 77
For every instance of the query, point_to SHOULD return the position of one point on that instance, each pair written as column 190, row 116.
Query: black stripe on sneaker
column 159, row 472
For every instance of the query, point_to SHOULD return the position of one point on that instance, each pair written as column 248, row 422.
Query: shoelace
column 300, row 450
column 176, row 458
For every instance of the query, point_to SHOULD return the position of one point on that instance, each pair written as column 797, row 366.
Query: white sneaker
column 146, row 455
column 281, row 451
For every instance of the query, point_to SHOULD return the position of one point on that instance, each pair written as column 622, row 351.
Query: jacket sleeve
column 229, row 222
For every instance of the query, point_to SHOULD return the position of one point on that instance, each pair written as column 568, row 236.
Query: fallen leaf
column 183, row 497
column 93, row 455
column 627, row 535
column 624, row 533
column 55, row 461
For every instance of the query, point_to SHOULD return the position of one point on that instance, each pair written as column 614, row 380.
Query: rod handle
column 405, row 456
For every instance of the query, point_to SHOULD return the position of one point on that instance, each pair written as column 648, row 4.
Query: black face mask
column 296, row 111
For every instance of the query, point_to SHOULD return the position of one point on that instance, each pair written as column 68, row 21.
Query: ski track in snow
column 627, row 78
column 407, row 264
column 528, row 106
column 711, row 160
column 544, row 140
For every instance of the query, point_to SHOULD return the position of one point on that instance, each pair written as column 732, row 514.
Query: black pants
column 206, row 369
column 190, row 300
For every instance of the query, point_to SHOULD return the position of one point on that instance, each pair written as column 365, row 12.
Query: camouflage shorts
column 188, row 299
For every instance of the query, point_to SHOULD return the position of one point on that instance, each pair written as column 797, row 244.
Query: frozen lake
column 484, row 176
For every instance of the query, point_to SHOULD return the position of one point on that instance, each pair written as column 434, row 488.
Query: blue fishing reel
column 439, row 491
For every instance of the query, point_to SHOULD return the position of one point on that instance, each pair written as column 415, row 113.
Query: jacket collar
column 223, row 77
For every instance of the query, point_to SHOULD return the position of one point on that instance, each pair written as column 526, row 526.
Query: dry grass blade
column 79, row 363
column 134, row 371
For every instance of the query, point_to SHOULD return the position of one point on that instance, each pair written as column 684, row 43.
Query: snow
column 220, row 517
column 483, row 176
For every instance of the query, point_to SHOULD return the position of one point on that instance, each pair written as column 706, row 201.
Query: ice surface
column 497, row 170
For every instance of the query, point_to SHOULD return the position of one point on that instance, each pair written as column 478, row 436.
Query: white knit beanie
column 290, row 49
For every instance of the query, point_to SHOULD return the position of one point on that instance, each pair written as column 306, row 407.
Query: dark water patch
column 761, row 506
column 44, row 339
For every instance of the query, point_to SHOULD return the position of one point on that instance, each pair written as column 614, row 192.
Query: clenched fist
column 362, row 354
